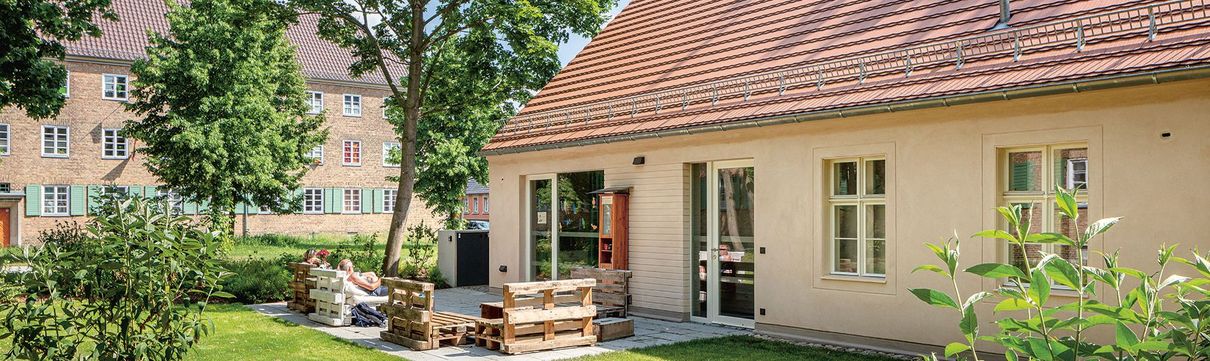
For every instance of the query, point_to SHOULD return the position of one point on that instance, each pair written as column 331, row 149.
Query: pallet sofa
column 300, row 288
column 412, row 322
column 333, row 302
column 541, row 316
column 611, row 295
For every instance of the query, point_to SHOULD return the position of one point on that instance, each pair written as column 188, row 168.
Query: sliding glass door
column 563, row 223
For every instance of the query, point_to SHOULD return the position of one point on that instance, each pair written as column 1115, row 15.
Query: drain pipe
column 1005, row 14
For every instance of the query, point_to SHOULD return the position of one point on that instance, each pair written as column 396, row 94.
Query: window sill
column 55, row 215
column 1055, row 290
column 352, row 115
column 116, row 99
column 56, row 156
column 848, row 278
column 351, row 165
column 115, row 158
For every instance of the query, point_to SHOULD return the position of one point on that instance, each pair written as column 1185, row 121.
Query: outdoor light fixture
column 503, row 268
column 639, row 160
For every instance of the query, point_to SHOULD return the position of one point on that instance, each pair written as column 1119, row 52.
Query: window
column 467, row 210
column 352, row 153
column 316, row 101
column 1029, row 183
column 66, row 89
column 113, row 87
column 857, row 206
column 352, row 105
column 352, row 201
column 55, row 141
column 313, row 200
column 388, row 200
column 485, row 205
column 476, row 205
column 56, row 201
column 316, row 154
column 4, row 139
column 113, row 145
column 115, row 191
column 386, row 154
column 174, row 200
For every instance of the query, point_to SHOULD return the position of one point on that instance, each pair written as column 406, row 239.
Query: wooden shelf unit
column 614, row 244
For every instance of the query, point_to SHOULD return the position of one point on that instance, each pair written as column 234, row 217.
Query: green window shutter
column 329, row 200
column 150, row 192
column 94, row 198
column 135, row 191
column 79, row 200
column 203, row 207
column 378, row 199
column 298, row 199
column 367, row 200
column 1022, row 177
column 33, row 200
column 190, row 207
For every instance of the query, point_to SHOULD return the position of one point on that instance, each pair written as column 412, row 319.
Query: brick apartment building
column 51, row 169
column 477, row 203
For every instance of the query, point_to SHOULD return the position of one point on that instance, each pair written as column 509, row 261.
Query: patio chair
column 558, row 315
column 300, row 288
column 333, row 302
column 412, row 322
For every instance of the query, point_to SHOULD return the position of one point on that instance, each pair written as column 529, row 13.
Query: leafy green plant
column 132, row 285
column 362, row 250
column 421, row 252
column 1036, row 326
column 258, row 280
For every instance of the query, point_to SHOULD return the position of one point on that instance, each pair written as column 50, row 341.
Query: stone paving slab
column 648, row 332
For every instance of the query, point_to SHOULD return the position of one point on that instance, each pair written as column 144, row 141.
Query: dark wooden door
column 6, row 227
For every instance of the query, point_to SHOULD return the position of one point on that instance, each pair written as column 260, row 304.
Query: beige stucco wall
column 943, row 177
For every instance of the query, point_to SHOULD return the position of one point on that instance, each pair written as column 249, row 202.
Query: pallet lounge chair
column 300, row 288
column 558, row 315
column 411, row 321
column 612, row 292
column 333, row 301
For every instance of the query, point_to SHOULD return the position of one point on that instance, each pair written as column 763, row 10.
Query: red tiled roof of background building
column 126, row 40
column 657, row 66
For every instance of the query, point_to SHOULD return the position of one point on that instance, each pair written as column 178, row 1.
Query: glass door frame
column 527, row 259
column 713, row 266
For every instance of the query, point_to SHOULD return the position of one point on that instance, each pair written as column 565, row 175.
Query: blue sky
column 568, row 50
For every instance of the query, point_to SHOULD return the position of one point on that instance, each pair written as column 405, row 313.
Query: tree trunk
column 407, row 166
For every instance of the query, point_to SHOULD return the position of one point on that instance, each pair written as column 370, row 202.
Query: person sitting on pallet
column 361, row 283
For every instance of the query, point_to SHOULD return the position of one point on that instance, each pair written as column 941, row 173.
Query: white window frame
column 313, row 201
column 60, row 204
column 388, row 199
column 1044, row 197
column 319, row 160
column 173, row 200
column 351, row 201
column 346, row 155
column 351, row 105
column 861, row 201
column 1071, row 172
column 122, row 191
column 6, row 141
column 476, row 203
column 386, row 150
column 66, row 141
column 105, row 81
column 486, row 203
column 67, row 85
column 111, row 141
column 311, row 95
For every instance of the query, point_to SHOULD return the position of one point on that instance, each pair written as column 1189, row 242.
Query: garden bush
column 1152, row 316
column 277, row 240
column 131, row 285
column 362, row 250
column 258, row 280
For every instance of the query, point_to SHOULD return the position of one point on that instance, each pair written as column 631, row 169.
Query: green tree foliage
column 224, row 107
column 31, row 36
column 132, row 285
column 454, row 68
column 1151, row 316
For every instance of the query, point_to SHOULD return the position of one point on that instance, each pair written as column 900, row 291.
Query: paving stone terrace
column 647, row 332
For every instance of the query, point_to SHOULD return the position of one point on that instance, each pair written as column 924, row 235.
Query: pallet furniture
column 558, row 315
column 612, row 292
column 331, row 307
column 300, row 288
column 411, row 321
column 613, row 328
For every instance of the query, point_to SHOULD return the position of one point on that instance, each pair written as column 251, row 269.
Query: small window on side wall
column 857, row 216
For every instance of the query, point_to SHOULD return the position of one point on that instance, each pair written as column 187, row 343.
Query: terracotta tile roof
column 667, row 65
column 125, row 40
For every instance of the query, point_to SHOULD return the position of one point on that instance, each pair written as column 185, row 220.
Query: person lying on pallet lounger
column 361, row 283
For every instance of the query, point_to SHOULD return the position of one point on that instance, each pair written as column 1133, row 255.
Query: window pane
column 844, row 176
column 875, row 172
column 875, row 256
column 846, row 222
column 1071, row 168
column 846, row 256
column 1025, row 171
column 1068, row 228
column 875, row 220
column 1030, row 215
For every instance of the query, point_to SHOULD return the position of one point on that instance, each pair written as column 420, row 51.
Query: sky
column 568, row 50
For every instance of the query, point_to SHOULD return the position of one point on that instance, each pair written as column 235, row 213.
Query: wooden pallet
column 559, row 315
column 411, row 321
column 300, row 287
column 612, row 292
column 328, row 294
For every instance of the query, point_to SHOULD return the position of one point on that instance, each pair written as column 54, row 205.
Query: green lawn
column 730, row 348
column 289, row 245
column 244, row 334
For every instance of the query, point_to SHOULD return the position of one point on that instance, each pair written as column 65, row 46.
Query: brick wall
column 87, row 114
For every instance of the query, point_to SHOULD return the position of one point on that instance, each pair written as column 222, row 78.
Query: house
column 52, row 169
column 477, row 204
column 787, row 159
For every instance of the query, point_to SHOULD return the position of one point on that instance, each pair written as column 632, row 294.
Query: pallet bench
column 411, row 321
column 300, row 288
column 329, row 296
column 612, row 292
column 541, row 316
